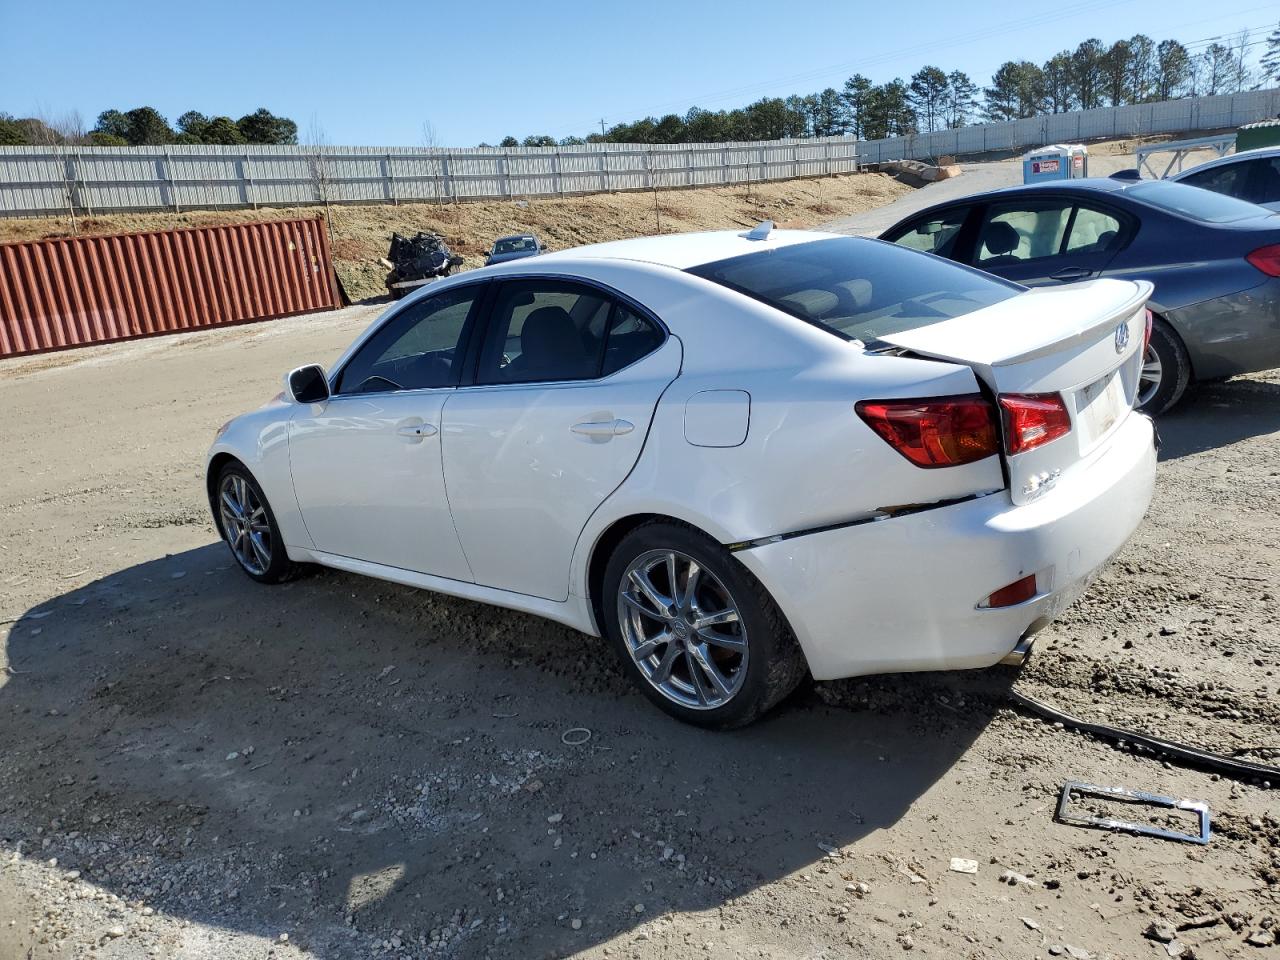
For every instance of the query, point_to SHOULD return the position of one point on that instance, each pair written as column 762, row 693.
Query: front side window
column 936, row 235
column 1019, row 233
column 856, row 288
column 418, row 348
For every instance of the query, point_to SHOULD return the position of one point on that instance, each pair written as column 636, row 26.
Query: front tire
column 249, row 527
column 695, row 630
column 1166, row 371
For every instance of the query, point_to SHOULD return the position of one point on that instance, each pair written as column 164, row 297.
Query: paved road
column 977, row 178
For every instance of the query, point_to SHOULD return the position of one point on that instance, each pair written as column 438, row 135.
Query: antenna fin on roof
column 760, row 231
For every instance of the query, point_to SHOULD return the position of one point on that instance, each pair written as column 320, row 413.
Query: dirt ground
column 195, row 766
column 361, row 234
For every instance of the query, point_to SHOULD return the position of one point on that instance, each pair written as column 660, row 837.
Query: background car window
column 1093, row 231
column 631, row 336
column 1266, row 181
column 1016, row 234
column 544, row 330
column 1203, row 205
column 415, row 349
column 1230, row 178
column 935, row 235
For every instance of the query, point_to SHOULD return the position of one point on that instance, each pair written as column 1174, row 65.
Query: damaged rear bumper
column 903, row 593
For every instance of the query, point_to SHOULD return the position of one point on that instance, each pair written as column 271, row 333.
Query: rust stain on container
column 73, row 291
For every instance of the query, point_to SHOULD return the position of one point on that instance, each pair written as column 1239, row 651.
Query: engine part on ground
column 418, row 260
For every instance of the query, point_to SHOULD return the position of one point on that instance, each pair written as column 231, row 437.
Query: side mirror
column 307, row 384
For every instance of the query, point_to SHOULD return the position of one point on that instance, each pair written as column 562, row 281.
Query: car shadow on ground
column 1214, row 415
column 349, row 761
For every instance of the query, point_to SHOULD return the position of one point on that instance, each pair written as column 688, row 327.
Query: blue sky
column 372, row 73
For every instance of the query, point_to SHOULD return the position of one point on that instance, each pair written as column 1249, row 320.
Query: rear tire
column 728, row 655
column 1166, row 371
column 249, row 527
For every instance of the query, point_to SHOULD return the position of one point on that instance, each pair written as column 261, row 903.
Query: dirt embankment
column 361, row 233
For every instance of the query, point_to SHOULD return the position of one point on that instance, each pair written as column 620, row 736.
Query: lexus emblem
column 1122, row 337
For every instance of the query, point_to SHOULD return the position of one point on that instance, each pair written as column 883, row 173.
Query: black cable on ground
column 1202, row 759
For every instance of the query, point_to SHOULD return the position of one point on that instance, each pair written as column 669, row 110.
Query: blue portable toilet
column 1061, row 161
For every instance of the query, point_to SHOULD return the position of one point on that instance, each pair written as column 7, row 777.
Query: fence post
column 688, row 170
column 604, row 170
column 168, row 175
column 826, row 158
column 504, row 172
column 246, row 178
column 557, row 181
column 446, row 167
column 80, row 191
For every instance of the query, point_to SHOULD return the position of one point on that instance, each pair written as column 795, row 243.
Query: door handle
column 602, row 430
column 1071, row 273
column 416, row 431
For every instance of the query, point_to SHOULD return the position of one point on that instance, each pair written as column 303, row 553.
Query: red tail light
column 1017, row 592
column 1267, row 259
column 938, row 432
column 1146, row 336
column 1032, row 420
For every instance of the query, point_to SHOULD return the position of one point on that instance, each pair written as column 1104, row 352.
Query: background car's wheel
column 693, row 627
column 250, row 528
column 1166, row 370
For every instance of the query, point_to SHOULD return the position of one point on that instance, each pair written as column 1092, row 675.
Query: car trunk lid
column 1082, row 343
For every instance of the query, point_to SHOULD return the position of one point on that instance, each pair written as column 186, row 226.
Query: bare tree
column 61, row 133
column 432, row 143
column 1243, row 74
column 319, row 165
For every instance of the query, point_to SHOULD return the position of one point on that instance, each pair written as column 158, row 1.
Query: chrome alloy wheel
column 1152, row 374
column 682, row 629
column 244, row 522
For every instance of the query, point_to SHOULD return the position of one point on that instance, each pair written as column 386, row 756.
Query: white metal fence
column 43, row 181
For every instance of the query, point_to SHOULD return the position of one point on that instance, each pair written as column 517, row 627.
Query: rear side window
column 544, row 331
column 859, row 289
column 1094, row 231
column 1015, row 233
column 1203, row 205
column 631, row 336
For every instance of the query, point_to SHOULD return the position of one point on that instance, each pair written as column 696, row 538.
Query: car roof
column 1255, row 153
column 1083, row 185
column 686, row 250
column 517, row 236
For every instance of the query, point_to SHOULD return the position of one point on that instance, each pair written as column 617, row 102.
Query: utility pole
column 602, row 126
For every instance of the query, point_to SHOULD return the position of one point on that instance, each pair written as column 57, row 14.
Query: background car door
column 366, row 463
column 566, row 384
column 1047, row 241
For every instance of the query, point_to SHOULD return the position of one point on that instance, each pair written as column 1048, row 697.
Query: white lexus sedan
column 740, row 457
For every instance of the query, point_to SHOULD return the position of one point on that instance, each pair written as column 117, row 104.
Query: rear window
column 857, row 288
column 1193, row 202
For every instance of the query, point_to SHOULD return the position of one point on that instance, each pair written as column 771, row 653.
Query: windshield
column 1194, row 202
column 514, row 245
column 857, row 288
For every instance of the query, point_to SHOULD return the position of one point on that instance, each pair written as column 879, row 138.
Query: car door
column 566, row 382
column 1049, row 240
column 366, row 463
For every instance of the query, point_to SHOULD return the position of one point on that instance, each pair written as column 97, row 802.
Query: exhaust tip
column 1021, row 653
